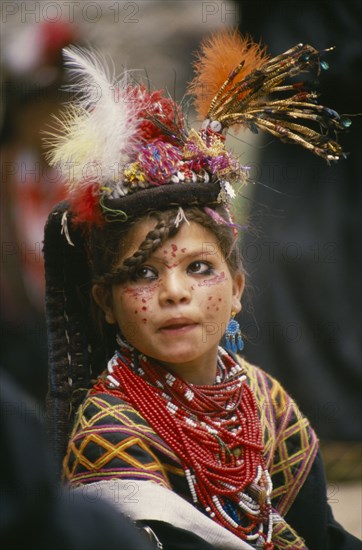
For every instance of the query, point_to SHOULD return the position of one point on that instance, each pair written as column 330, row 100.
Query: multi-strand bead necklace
column 214, row 430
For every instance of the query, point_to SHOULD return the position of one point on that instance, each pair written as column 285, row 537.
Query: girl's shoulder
column 259, row 378
column 269, row 393
column 100, row 408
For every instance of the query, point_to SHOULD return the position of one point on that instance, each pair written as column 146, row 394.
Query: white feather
column 90, row 74
column 100, row 127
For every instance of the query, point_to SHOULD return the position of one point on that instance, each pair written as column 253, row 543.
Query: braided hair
column 108, row 244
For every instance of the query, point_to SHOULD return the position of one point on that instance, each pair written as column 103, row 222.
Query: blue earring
column 233, row 338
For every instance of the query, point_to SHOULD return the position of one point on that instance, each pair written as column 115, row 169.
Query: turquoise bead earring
column 233, row 338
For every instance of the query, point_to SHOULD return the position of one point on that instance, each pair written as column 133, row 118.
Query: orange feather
column 220, row 54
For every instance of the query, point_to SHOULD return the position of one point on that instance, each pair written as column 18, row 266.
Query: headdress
column 126, row 150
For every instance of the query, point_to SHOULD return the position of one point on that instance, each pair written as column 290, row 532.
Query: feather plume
column 99, row 129
column 264, row 97
column 219, row 56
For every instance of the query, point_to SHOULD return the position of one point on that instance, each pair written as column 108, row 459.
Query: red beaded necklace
column 214, row 430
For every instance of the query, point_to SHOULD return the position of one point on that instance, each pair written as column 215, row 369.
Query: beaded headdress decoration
column 126, row 150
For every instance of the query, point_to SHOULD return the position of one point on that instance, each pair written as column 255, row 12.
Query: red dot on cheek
column 144, row 308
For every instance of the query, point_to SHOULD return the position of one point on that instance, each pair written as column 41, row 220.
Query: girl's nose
column 175, row 289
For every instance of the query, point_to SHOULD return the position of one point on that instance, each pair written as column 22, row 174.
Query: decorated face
column 176, row 307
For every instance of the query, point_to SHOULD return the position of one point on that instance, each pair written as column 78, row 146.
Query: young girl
column 144, row 279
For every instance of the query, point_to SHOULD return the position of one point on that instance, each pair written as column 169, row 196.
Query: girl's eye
column 146, row 273
column 200, row 268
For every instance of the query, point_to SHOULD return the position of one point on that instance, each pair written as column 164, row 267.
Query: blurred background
column 301, row 316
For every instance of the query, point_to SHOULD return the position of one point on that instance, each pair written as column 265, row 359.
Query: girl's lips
column 178, row 326
column 177, row 329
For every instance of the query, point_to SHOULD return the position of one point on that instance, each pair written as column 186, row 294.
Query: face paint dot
column 141, row 291
column 218, row 279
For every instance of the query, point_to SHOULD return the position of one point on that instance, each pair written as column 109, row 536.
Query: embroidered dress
column 112, row 441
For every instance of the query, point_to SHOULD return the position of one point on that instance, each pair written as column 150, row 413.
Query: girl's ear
column 238, row 289
column 102, row 297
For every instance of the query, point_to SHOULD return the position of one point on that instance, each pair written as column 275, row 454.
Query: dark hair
column 107, row 244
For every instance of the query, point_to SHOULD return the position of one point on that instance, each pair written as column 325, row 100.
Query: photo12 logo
column 89, row 12
column 224, row 12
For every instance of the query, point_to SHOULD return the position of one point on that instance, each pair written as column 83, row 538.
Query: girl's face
column 177, row 306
